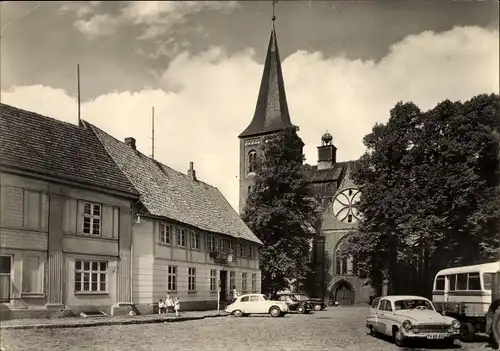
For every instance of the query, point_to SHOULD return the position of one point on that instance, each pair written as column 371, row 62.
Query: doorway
column 344, row 295
column 223, row 285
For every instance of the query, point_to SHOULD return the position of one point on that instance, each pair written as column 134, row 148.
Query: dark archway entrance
column 343, row 294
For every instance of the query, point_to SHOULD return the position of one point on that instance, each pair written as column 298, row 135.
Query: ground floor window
column 91, row 276
column 213, row 280
column 254, row 282
column 192, row 279
column 232, row 283
column 172, row 278
column 244, row 281
column 32, row 274
column 5, row 277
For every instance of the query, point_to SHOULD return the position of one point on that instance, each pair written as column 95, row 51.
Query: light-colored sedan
column 256, row 304
column 408, row 318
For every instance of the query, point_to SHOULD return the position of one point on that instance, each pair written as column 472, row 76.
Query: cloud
column 206, row 100
column 155, row 18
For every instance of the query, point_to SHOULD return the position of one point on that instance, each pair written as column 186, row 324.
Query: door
column 383, row 315
column 344, row 295
column 5, row 278
column 223, row 285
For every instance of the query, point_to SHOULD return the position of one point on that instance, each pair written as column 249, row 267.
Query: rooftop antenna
column 274, row 17
column 78, row 93
column 153, row 133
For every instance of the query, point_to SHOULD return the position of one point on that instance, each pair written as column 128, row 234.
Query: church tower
column 271, row 116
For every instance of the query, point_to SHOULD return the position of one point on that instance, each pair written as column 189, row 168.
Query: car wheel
column 237, row 313
column 275, row 312
column 398, row 338
column 317, row 307
column 301, row 309
column 373, row 331
column 467, row 332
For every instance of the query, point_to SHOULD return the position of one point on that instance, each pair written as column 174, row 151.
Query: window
column 243, row 249
column 243, row 281
column 250, row 251
column 181, row 237
column 32, row 275
column 487, row 281
column 462, row 281
column 375, row 303
column 231, row 246
column 439, row 283
column 5, row 279
column 212, row 243
column 213, row 280
column 223, row 245
column 474, row 282
column 195, row 240
column 165, row 234
column 244, row 299
column 254, row 282
column 255, row 298
column 249, row 189
column 453, row 280
column 192, row 279
column 232, row 277
column 172, row 278
column 91, row 276
column 91, row 219
column 252, row 158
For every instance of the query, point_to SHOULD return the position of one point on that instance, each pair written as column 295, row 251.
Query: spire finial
column 274, row 17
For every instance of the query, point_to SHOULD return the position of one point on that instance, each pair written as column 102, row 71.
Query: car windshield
column 412, row 304
column 302, row 297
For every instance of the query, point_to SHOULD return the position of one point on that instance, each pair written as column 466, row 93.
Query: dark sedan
column 294, row 304
column 317, row 303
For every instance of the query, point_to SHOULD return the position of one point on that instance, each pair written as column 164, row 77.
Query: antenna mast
column 78, row 93
column 153, row 133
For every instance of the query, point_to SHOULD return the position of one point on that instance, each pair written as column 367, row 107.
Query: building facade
column 335, row 278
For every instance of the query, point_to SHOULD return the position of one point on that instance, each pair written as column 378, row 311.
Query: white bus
column 465, row 294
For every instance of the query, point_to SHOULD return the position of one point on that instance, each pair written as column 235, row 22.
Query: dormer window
column 252, row 158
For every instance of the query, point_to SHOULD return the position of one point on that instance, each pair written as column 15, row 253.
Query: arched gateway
column 343, row 293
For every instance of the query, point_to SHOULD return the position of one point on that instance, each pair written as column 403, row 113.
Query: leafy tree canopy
column 282, row 210
column 430, row 188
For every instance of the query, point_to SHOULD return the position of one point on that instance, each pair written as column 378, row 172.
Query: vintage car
column 257, row 304
column 294, row 304
column 407, row 318
column 318, row 304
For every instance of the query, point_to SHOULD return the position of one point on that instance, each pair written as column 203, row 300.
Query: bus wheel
column 467, row 332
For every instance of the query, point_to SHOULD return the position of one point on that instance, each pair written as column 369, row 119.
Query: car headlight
column 455, row 324
column 407, row 325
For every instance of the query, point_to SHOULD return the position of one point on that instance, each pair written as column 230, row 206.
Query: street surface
column 335, row 329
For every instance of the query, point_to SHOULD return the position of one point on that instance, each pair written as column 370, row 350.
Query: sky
column 199, row 63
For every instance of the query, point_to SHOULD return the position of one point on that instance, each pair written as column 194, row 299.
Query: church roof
column 48, row 147
column 271, row 112
column 168, row 193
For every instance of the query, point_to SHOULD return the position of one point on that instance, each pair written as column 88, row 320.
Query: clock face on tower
column 345, row 205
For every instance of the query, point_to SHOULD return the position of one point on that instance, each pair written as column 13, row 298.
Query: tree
column 281, row 210
column 429, row 184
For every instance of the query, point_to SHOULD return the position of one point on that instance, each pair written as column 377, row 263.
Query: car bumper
column 430, row 336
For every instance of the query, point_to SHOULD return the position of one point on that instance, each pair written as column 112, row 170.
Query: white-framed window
column 212, row 243
column 172, row 278
column 91, row 276
column 5, row 277
column 231, row 246
column 232, row 280
column 165, row 234
column 181, row 237
column 254, row 282
column 244, row 281
column 91, row 219
column 213, row 280
column 252, row 158
column 32, row 274
column 195, row 240
column 223, row 245
column 192, row 279
column 250, row 251
column 243, row 250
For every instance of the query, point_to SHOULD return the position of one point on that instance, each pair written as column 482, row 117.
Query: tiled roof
column 43, row 145
column 168, row 193
column 328, row 174
column 271, row 112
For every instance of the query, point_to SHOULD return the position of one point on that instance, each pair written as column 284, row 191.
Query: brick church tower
column 271, row 116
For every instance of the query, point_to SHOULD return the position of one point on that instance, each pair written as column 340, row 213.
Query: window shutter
column 79, row 218
column 116, row 222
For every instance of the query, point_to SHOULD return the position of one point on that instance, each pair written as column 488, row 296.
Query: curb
column 102, row 322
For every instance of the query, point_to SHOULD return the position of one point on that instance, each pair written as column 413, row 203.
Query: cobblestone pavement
column 335, row 329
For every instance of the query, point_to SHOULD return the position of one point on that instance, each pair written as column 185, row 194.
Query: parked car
column 317, row 303
column 257, row 304
column 294, row 304
column 407, row 318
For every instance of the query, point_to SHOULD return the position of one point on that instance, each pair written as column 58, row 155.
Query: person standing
column 177, row 306
column 235, row 293
column 170, row 304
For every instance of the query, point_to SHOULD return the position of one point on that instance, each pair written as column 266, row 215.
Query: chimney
column 327, row 152
column 191, row 172
column 130, row 142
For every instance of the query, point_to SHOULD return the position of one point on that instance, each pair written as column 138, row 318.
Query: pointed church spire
column 271, row 112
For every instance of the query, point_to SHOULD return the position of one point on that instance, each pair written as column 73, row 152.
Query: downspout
column 132, row 260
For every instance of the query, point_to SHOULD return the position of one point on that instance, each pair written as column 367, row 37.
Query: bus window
column 474, row 281
column 452, row 279
column 439, row 283
column 462, row 281
column 487, row 280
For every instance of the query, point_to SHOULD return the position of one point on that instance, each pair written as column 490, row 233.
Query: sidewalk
column 79, row 322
